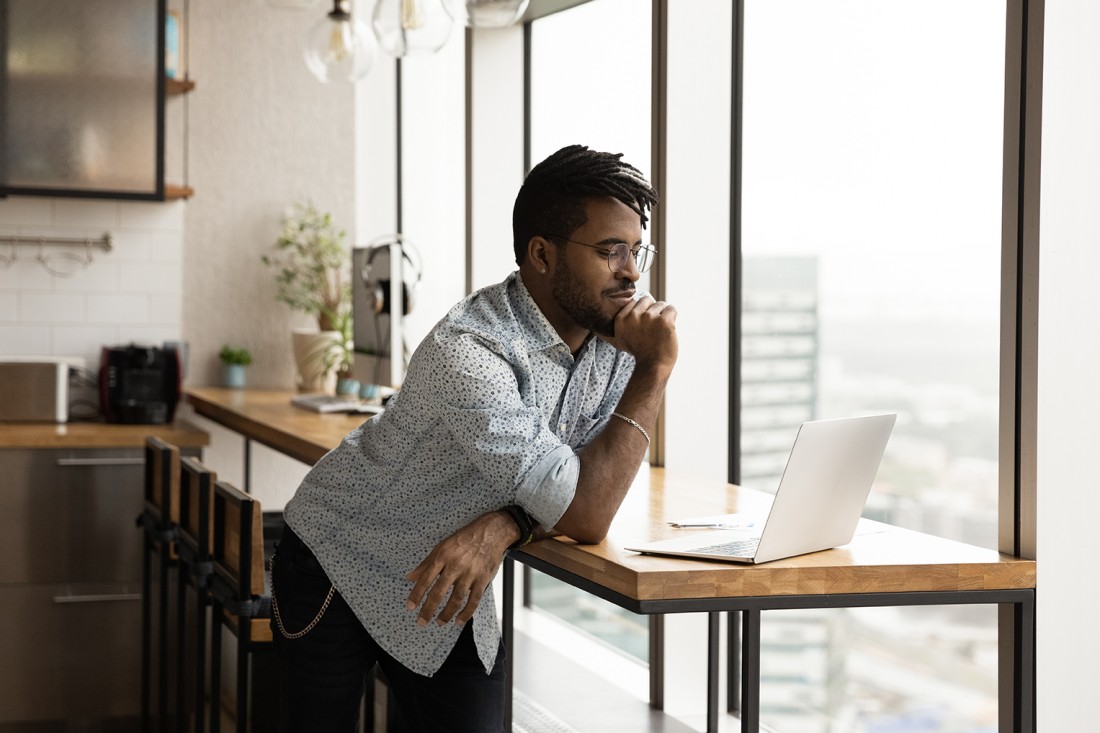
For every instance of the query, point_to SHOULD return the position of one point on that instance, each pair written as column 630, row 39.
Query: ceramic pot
column 233, row 375
column 347, row 386
column 311, row 352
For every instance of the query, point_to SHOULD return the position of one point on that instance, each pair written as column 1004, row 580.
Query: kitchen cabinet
column 83, row 97
column 70, row 583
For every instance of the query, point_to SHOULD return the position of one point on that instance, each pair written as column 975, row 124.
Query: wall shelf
column 173, row 87
column 172, row 193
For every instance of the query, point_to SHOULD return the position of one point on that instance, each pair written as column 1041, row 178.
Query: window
column 871, row 246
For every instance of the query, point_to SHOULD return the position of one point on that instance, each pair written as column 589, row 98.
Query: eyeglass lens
column 617, row 257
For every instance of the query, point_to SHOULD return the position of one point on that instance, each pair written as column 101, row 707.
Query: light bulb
column 487, row 13
column 405, row 27
column 339, row 48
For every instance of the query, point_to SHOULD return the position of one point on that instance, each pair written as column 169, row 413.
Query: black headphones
column 377, row 289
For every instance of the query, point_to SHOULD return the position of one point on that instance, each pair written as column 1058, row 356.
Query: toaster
column 33, row 390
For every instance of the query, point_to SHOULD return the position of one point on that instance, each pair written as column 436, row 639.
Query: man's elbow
column 584, row 533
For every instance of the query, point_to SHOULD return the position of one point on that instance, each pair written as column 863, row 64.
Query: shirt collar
column 533, row 323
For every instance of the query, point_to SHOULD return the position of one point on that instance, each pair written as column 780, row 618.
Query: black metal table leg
column 713, row 626
column 507, row 632
column 750, row 671
column 657, row 661
column 1025, row 664
column 733, row 663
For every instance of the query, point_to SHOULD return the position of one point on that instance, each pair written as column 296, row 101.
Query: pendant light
column 339, row 48
column 487, row 13
column 405, row 27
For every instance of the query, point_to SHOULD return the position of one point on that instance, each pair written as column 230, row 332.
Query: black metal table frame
column 1021, row 602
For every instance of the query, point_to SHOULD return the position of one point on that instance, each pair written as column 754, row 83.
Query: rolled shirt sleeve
column 548, row 488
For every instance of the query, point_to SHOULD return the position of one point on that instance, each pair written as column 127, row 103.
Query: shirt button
column 562, row 427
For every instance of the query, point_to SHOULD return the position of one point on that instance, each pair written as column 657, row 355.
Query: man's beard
column 578, row 304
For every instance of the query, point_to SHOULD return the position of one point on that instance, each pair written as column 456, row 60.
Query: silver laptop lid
column 820, row 498
column 824, row 486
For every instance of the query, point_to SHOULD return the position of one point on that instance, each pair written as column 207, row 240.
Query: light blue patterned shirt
column 491, row 413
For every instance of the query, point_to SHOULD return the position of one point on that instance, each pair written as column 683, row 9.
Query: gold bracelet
column 635, row 423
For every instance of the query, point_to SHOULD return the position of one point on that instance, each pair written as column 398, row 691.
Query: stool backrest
column 162, row 480
column 238, row 547
column 196, row 506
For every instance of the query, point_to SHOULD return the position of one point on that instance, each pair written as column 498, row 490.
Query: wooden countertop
column 98, row 435
column 887, row 559
column 268, row 417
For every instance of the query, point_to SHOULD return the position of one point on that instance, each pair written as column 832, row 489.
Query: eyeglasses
column 619, row 253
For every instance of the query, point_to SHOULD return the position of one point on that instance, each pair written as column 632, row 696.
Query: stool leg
column 243, row 659
column 146, row 636
column 181, row 647
column 162, row 639
column 216, row 668
column 200, row 665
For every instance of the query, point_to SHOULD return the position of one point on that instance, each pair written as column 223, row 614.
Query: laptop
column 818, row 503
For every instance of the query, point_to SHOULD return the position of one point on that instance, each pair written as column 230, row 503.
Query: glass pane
column 587, row 90
column 880, row 670
column 590, row 80
column 78, row 82
column 871, row 242
column 871, row 238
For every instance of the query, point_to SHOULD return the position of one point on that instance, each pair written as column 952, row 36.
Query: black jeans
column 322, row 673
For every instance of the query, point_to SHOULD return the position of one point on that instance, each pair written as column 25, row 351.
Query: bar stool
column 194, row 541
column 158, row 520
column 241, row 596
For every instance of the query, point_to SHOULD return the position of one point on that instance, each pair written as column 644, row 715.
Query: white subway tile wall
column 131, row 294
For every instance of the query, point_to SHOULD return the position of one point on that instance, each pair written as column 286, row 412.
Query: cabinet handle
column 100, row 461
column 98, row 598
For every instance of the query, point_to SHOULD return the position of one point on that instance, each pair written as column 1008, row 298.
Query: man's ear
column 538, row 252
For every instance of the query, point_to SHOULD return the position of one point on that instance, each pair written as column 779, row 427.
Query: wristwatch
column 524, row 522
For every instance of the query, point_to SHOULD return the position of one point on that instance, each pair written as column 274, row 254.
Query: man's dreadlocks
column 552, row 200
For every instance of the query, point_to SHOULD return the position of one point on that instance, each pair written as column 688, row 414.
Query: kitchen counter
column 98, row 435
column 267, row 417
column 71, row 580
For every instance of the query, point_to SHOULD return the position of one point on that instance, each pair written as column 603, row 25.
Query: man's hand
column 460, row 568
column 646, row 329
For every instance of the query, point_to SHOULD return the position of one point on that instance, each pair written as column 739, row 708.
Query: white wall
column 1069, row 365
column 264, row 133
column 130, row 294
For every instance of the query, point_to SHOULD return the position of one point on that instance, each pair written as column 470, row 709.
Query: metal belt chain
column 275, row 607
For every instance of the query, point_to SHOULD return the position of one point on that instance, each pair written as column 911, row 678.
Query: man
column 526, row 409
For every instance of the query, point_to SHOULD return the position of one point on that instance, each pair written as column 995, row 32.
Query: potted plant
column 342, row 355
column 234, row 360
column 312, row 274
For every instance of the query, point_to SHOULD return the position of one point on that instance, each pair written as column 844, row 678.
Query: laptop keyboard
column 737, row 548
